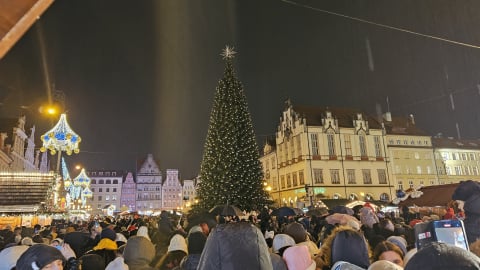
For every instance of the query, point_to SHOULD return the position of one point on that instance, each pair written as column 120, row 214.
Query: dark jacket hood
column 235, row 246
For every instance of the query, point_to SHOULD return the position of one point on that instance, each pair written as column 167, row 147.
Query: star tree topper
column 228, row 52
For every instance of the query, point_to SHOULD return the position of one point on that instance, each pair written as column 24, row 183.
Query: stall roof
column 439, row 195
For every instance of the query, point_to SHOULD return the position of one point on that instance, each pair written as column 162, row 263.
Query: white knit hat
column 178, row 242
column 282, row 240
column 143, row 231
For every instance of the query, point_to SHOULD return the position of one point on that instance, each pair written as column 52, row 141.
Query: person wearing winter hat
column 139, row 253
column 91, row 262
column 344, row 244
column 39, row 257
column 10, row 255
column 143, row 231
column 467, row 195
column 298, row 258
column 235, row 246
column 196, row 243
column 281, row 242
column 441, row 256
column 384, row 265
column 107, row 247
column 177, row 250
column 386, row 250
column 400, row 242
column 299, row 234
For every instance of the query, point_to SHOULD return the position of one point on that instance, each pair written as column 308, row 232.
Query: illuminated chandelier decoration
column 80, row 190
column 61, row 138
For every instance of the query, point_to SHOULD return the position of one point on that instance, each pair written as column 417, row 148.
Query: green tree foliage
column 231, row 171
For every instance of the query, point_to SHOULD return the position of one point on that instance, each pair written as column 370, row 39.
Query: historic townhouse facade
column 410, row 153
column 189, row 193
column 129, row 191
column 172, row 198
column 17, row 149
column 106, row 186
column 456, row 159
column 329, row 153
column 149, row 186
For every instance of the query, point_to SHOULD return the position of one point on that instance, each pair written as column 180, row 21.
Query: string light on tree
column 231, row 171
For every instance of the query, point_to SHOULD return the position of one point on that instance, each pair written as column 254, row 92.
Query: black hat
column 465, row 190
column 108, row 233
column 441, row 256
column 196, row 242
column 92, row 262
column 38, row 256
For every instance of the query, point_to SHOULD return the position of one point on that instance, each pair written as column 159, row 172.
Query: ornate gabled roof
column 149, row 166
column 456, row 143
column 345, row 116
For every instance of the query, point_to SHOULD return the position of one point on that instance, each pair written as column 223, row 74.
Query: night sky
column 139, row 76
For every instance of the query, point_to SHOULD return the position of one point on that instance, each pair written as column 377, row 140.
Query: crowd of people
column 340, row 238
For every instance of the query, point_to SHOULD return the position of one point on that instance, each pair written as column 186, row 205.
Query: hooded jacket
column 139, row 253
column 235, row 246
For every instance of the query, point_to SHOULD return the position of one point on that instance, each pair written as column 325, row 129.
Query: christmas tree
column 231, row 172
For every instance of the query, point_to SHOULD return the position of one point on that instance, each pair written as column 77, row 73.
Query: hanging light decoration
column 61, row 138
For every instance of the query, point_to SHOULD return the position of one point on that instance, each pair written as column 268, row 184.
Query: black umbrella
column 284, row 212
column 226, row 210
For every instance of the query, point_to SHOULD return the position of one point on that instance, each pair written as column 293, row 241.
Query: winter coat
column 139, row 253
column 79, row 242
column 108, row 254
column 190, row 262
column 235, row 246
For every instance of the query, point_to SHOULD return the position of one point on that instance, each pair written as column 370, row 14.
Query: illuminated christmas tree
column 231, row 171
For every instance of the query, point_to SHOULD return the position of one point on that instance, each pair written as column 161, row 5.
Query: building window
column 108, row 182
column 92, row 189
column 419, row 169
column 400, row 185
column 107, row 198
column 382, row 176
column 335, row 175
column 282, row 180
column 398, row 169
column 458, row 170
column 367, row 177
column 292, row 148
column 301, row 177
column 274, row 183
column 115, row 182
column 448, row 170
column 100, row 182
column 351, row 176
column 475, row 170
column 348, row 145
column 378, row 151
column 273, row 163
column 331, row 143
column 417, row 155
column 114, row 189
column 99, row 198
column 100, row 190
column 318, row 176
column 429, row 170
column 294, row 178
column 410, row 183
column 289, row 181
column 314, row 139
column 384, row 197
column 94, row 182
column 363, row 144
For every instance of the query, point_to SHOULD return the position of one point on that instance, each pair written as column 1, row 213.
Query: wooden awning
column 16, row 17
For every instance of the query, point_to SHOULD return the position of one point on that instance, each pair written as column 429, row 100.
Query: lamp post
column 61, row 138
